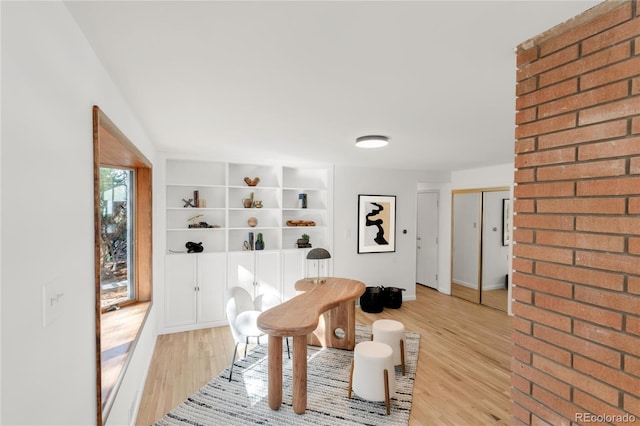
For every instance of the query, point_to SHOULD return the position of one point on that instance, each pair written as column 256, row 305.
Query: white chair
column 242, row 314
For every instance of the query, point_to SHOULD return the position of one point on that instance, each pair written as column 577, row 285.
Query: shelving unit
column 222, row 188
column 183, row 178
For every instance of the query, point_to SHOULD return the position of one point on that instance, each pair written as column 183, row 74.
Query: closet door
column 495, row 255
column 465, row 247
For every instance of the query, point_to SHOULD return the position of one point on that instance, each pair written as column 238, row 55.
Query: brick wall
column 576, row 337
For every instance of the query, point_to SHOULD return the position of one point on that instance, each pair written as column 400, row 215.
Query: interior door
column 427, row 240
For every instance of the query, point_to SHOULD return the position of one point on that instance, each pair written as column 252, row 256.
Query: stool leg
column 402, row 354
column 371, row 338
column 386, row 391
column 351, row 378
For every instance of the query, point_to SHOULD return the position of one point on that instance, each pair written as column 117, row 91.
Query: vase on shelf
column 259, row 242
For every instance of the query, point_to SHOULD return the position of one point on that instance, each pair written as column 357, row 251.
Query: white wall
column 397, row 269
column 50, row 80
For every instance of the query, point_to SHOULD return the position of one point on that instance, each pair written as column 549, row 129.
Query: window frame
column 111, row 148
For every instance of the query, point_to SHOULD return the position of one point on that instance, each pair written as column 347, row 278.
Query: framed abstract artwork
column 376, row 223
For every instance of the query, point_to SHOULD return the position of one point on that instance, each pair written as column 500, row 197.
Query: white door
column 268, row 272
column 212, row 269
column 241, row 271
column 427, row 240
column 180, row 289
column 293, row 269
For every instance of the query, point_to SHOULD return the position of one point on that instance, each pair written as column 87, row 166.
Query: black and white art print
column 376, row 223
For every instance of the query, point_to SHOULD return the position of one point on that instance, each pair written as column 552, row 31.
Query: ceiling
column 298, row 81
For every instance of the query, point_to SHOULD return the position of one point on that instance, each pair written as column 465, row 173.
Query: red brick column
column 576, row 337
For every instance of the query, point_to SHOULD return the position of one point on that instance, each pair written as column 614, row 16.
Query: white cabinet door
column 268, row 273
column 211, row 283
column 180, row 294
column 256, row 271
column 293, row 269
column 241, row 271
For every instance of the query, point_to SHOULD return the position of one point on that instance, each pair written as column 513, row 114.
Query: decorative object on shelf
column 194, row 247
column 251, row 246
column 248, row 202
column 259, row 242
column 193, row 223
column 245, row 245
column 303, row 241
column 195, row 201
column 301, row 223
column 302, row 201
column 318, row 254
column 376, row 223
column 257, row 204
column 251, row 182
column 252, row 221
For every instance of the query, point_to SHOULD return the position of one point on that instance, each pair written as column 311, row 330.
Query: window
column 123, row 255
column 117, row 273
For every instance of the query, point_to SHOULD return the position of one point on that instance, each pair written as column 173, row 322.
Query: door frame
column 437, row 229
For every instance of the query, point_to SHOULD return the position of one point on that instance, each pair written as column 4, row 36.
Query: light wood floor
column 463, row 367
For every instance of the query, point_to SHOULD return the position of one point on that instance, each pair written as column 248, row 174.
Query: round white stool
column 372, row 372
column 392, row 333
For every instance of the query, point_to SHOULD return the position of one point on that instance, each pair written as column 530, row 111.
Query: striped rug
column 244, row 400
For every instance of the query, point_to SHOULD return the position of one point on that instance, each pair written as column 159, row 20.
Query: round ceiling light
column 372, row 141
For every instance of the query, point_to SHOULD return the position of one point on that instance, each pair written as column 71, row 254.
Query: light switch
column 52, row 302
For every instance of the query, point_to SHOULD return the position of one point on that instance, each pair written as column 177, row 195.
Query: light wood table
column 334, row 302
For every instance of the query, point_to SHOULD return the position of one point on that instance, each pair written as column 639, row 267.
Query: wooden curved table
column 334, row 302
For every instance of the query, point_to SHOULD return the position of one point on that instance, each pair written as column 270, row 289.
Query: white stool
column 392, row 333
column 370, row 378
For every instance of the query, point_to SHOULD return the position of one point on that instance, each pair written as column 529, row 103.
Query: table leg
column 299, row 374
column 275, row 371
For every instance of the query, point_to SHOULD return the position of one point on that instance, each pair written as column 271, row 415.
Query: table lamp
column 318, row 254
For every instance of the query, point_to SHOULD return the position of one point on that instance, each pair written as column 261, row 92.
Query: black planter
column 392, row 297
column 372, row 300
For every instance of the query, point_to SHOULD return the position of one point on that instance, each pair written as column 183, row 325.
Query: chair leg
column 246, row 343
column 402, row 354
column 233, row 360
column 351, row 378
column 386, row 391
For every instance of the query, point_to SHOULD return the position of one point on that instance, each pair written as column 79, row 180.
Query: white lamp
column 372, row 141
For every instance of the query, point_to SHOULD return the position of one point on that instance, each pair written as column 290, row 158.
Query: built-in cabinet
column 222, row 222
column 256, row 271
column 194, row 284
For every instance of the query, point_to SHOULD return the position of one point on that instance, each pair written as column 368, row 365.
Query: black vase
column 259, row 245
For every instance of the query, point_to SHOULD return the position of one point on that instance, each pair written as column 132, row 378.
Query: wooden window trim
column 111, row 148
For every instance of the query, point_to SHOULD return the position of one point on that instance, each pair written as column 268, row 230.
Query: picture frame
column 506, row 221
column 376, row 223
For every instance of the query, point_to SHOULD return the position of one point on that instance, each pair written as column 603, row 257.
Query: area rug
column 244, row 400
